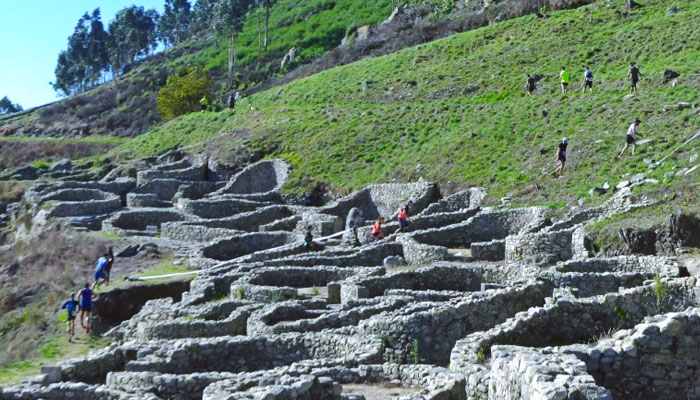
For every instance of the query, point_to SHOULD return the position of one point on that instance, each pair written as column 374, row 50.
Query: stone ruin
column 471, row 302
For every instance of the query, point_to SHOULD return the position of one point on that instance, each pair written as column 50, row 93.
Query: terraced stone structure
column 469, row 302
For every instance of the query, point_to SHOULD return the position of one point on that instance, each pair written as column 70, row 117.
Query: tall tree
column 6, row 106
column 202, row 20
column 267, row 4
column 228, row 20
column 97, row 51
column 132, row 36
column 85, row 60
column 173, row 24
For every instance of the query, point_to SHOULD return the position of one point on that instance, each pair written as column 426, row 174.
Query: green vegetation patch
column 455, row 109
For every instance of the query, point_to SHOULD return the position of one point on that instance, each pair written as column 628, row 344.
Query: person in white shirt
column 631, row 132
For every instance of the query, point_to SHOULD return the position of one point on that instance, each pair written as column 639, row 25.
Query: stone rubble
column 470, row 302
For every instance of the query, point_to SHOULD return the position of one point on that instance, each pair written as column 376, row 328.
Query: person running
column 565, row 78
column 71, row 306
column 85, row 297
column 100, row 274
column 231, row 101
column 108, row 265
column 204, row 103
column 561, row 157
column 377, row 230
column 309, row 239
column 634, row 74
column 630, row 140
column 588, row 80
column 531, row 84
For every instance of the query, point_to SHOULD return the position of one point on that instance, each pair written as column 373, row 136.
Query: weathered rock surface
column 510, row 298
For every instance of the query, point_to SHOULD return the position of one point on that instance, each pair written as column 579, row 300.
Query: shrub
column 415, row 352
column 661, row 290
column 182, row 92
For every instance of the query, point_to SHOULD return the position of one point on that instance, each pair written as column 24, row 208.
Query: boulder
column 63, row 165
column 670, row 75
column 393, row 261
column 623, row 184
column 129, row 251
column 638, row 178
column 27, row 173
column 598, row 190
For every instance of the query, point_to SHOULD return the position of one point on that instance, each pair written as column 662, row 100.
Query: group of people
column 401, row 216
column 633, row 74
column 630, row 139
column 230, row 101
column 354, row 221
column 81, row 302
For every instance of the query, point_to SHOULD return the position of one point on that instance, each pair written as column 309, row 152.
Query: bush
column 182, row 92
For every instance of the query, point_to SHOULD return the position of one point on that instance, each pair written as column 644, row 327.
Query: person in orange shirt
column 403, row 218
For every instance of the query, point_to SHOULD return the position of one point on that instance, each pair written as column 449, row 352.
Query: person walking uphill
column 629, row 139
column 102, row 266
column 634, row 74
column 108, row 266
column 588, row 80
column 561, row 156
column 531, row 84
column 565, row 78
column 85, row 297
column 71, row 306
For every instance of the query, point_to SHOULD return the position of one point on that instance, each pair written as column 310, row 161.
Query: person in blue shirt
column 85, row 297
column 103, row 266
column 71, row 306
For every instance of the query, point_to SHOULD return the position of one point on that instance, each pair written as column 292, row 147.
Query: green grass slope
column 455, row 109
column 312, row 26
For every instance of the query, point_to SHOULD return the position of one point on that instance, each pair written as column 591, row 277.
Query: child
column 85, row 297
column 309, row 239
column 71, row 307
column 377, row 230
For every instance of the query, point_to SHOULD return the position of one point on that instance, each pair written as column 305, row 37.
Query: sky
column 33, row 32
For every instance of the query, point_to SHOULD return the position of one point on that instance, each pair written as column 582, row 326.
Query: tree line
column 95, row 55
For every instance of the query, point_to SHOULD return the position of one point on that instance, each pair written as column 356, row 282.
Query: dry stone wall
column 513, row 302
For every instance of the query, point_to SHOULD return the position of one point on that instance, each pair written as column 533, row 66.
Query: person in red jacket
column 377, row 230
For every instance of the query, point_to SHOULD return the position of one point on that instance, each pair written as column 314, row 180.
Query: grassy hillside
column 312, row 26
column 455, row 109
